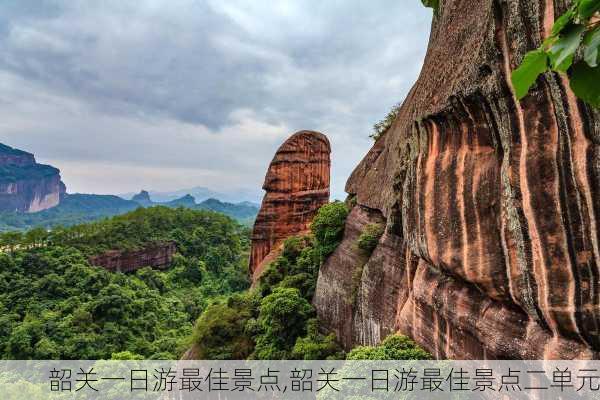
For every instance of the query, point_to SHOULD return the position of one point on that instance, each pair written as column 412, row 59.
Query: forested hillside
column 53, row 304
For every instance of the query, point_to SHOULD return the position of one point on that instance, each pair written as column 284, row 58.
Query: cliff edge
column 25, row 185
column 490, row 204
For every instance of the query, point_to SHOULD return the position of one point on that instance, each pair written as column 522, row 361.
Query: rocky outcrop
column 26, row 186
column 142, row 198
column 296, row 185
column 158, row 255
column 491, row 247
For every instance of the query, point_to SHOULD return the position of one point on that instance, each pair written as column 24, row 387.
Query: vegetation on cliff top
column 431, row 4
column 13, row 173
column 572, row 48
column 212, row 232
column 381, row 127
column 275, row 320
column 53, row 304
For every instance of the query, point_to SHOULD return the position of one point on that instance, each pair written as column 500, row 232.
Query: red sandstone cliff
column 159, row 256
column 491, row 247
column 296, row 185
column 25, row 185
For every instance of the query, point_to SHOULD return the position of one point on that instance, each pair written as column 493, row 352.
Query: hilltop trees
column 53, row 304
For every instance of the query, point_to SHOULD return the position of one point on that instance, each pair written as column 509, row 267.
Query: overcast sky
column 169, row 94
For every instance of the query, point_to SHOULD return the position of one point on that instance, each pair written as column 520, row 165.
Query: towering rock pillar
column 491, row 205
column 297, row 184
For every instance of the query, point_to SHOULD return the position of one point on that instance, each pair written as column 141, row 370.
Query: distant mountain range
column 244, row 212
column 81, row 208
column 33, row 195
column 202, row 193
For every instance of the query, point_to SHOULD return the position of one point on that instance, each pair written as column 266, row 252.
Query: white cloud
column 188, row 92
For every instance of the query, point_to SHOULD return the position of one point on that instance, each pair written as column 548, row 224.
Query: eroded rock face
column 156, row 256
column 296, row 185
column 491, row 205
column 25, row 185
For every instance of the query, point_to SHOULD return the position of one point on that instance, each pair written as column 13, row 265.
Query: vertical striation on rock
column 296, row 185
column 491, row 246
column 25, row 185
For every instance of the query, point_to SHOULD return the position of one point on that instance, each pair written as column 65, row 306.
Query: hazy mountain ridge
column 33, row 195
column 81, row 208
column 201, row 193
column 244, row 212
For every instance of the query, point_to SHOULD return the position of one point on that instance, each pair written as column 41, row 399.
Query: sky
column 169, row 94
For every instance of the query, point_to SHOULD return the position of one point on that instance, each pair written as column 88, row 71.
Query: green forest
column 55, row 305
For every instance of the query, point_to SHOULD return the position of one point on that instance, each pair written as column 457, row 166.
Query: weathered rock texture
column 297, row 184
column 26, row 186
column 491, row 247
column 159, row 256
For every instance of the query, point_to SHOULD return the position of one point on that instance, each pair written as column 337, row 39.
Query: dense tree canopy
column 275, row 319
column 53, row 304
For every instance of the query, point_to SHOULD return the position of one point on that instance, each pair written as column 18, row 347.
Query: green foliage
column 13, row 173
column 315, row 346
column 381, row 127
column 369, row 237
column 367, row 241
column 126, row 356
column 282, row 319
column 295, row 268
column 204, row 234
column 394, row 347
column 328, row 227
column 431, row 4
column 221, row 333
column 581, row 84
column 592, row 43
column 534, row 64
column 10, row 240
column 587, row 8
column 277, row 320
column 562, row 52
column 53, row 304
column 576, row 29
column 293, row 246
